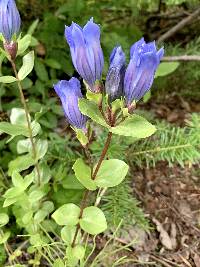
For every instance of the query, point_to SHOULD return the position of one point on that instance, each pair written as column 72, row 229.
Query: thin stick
column 179, row 26
column 27, row 114
column 182, row 58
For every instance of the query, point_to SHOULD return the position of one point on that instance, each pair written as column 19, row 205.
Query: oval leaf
column 67, row 214
column 27, row 67
column 7, row 79
column 23, row 44
column 91, row 110
column 111, row 173
column 83, row 174
column 13, row 129
column 134, row 126
column 93, row 220
column 4, row 219
column 166, row 68
column 67, row 234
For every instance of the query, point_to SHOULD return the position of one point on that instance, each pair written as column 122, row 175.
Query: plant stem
column 27, row 114
column 86, row 194
column 103, row 154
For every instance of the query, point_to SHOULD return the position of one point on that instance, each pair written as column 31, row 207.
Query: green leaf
column 23, row 44
column 4, row 237
column 45, row 173
column 33, row 27
column 17, row 180
column 41, row 71
column 48, row 206
column 146, row 97
column 35, row 126
column 28, row 179
column 71, row 259
column 78, row 251
column 58, row 263
column 27, row 83
column 23, row 146
column 36, row 195
column 67, row 214
column 52, row 63
column 81, row 137
column 28, row 63
column 111, row 173
column 91, row 110
column 93, row 221
column 71, row 182
column 12, row 129
column 94, row 97
column 27, row 217
column 83, row 174
column 40, row 216
column 134, row 126
column 4, row 219
column 7, row 79
column 67, row 234
column 20, row 164
column 13, row 192
column 9, row 201
column 166, row 68
column 18, row 116
column 41, row 148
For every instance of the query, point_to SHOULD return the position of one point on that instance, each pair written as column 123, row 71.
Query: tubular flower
column 9, row 19
column 140, row 72
column 69, row 93
column 115, row 76
column 86, row 52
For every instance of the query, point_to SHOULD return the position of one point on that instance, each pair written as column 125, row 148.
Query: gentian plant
column 110, row 105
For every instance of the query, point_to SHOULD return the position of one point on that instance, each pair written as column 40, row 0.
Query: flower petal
column 91, row 33
column 69, row 93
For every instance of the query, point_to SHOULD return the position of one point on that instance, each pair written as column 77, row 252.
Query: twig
column 179, row 26
column 23, row 100
column 182, row 58
column 164, row 263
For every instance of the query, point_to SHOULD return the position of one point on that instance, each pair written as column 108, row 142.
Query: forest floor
column 170, row 198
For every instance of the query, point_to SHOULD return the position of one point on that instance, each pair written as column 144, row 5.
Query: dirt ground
column 170, row 197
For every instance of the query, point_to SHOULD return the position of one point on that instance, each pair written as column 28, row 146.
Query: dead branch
column 179, row 26
column 182, row 58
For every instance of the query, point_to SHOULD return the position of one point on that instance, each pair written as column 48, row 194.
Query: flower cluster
column 87, row 56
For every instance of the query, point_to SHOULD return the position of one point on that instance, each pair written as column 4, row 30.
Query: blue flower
column 115, row 76
column 86, row 52
column 9, row 19
column 140, row 72
column 69, row 93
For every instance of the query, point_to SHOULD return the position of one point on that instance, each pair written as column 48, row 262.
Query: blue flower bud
column 140, row 72
column 9, row 19
column 86, row 52
column 115, row 76
column 69, row 93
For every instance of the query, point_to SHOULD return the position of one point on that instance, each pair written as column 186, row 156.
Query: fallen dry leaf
column 164, row 237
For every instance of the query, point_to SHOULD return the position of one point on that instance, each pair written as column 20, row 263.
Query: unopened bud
column 11, row 48
column 98, row 87
column 131, row 107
